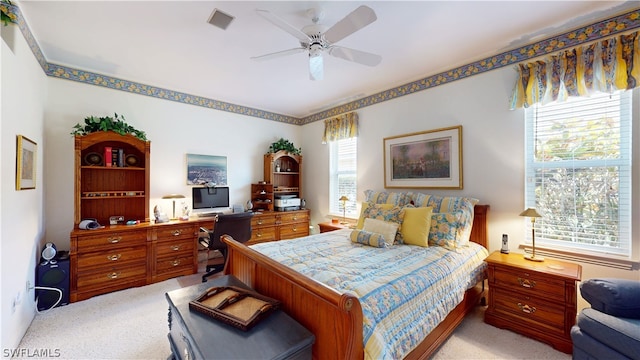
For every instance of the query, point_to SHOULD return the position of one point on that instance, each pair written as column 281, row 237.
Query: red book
column 107, row 156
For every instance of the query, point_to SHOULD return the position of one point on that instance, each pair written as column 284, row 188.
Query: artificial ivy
column 107, row 123
column 286, row 145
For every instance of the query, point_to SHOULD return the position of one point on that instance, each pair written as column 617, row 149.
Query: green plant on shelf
column 285, row 145
column 116, row 124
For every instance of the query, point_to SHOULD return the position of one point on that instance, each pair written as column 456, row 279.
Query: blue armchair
column 610, row 329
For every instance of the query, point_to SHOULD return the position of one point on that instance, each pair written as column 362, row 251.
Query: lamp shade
column 530, row 212
column 343, row 198
column 173, row 196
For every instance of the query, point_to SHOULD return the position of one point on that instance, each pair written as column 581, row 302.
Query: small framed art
column 26, row 163
column 428, row 159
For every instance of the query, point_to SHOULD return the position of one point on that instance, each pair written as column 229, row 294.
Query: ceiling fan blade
column 351, row 23
column 278, row 54
column 316, row 67
column 275, row 20
column 358, row 56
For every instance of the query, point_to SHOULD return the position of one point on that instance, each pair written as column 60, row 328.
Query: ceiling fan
column 317, row 39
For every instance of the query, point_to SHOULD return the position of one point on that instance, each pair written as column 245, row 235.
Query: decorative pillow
column 386, row 228
column 443, row 230
column 453, row 228
column 616, row 297
column 416, row 225
column 384, row 212
column 364, row 210
column 383, row 197
column 368, row 238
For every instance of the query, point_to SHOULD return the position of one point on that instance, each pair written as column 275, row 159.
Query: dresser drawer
column 532, row 283
column 174, row 263
column 286, row 217
column 111, row 240
column 175, row 247
column 290, row 231
column 263, row 234
column 113, row 275
column 109, row 257
column 263, row 220
column 535, row 311
column 175, row 232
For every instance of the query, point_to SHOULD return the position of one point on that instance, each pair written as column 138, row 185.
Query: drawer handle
column 113, row 275
column 114, row 257
column 295, row 218
column 259, row 222
column 114, row 240
column 175, row 247
column 177, row 232
column 294, row 229
column 175, row 262
column 526, row 308
column 259, row 234
column 526, row 283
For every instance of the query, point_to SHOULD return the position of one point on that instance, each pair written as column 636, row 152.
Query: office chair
column 237, row 225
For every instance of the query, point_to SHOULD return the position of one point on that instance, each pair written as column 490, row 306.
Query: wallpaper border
column 612, row 26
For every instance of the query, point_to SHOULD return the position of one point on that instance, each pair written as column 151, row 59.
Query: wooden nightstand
column 535, row 299
column 329, row 226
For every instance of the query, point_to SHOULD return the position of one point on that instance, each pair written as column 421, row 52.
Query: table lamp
column 344, row 200
column 533, row 214
column 173, row 197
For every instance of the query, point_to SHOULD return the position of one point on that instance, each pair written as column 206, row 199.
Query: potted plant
column 116, row 124
column 5, row 16
column 285, row 145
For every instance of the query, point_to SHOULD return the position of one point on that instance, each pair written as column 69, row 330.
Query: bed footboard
column 335, row 319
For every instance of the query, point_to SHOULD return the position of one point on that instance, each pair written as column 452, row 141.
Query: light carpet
column 132, row 324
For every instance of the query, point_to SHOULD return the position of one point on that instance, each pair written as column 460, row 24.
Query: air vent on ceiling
column 220, row 19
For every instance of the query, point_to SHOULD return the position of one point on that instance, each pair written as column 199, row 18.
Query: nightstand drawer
column 536, row 312
column 531, row 283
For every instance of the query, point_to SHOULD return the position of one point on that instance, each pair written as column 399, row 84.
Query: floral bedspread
column 405, row 290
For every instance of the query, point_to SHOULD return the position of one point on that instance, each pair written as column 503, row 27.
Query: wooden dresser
column 535, row 299
column 279, row 225
column 123, row 256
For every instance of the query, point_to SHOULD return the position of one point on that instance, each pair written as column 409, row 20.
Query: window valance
column 605, row 66
column 340, row 127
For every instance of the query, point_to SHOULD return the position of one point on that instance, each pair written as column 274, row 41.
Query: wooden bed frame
column 336, row 319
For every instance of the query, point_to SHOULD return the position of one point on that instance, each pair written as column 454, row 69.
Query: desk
column 193, row 335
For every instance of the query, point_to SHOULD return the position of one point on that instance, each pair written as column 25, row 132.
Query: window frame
column 335, row 172
column 573, row 251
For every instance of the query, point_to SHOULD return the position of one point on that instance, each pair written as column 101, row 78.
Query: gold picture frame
column 427, row 159
column 26, row 163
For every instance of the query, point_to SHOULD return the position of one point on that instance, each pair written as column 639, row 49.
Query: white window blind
column 578, row 173
column 343, row 175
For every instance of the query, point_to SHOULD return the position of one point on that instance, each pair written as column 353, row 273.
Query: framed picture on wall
column 428, row 159
column 206, row 169
column 26, row 165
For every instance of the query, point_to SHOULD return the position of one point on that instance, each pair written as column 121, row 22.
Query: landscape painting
column 429, row 159
column 206, row 170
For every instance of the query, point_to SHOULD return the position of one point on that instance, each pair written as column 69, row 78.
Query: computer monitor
column 210, row 197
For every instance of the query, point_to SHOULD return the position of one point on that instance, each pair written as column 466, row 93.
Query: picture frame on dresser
column 26, row 157
column 427, row 159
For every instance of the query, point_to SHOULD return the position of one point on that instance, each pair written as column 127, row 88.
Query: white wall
column 493, row 154
column 22, row 215
column 174, row 130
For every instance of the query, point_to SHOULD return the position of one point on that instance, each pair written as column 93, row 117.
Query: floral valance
column 604, row 66
column 340, row 127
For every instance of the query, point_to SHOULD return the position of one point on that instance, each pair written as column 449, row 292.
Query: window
column 343, row 175
column 578, row 173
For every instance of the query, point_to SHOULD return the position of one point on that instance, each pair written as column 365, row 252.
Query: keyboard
column 208, row 213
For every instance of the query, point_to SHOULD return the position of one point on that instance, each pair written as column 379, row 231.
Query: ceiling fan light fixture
column 220, row 19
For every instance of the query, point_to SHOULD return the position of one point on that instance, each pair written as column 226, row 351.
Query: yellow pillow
column 363, row 211
column 416, row 225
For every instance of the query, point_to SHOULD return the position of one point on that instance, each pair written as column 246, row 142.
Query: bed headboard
column 479, row 231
